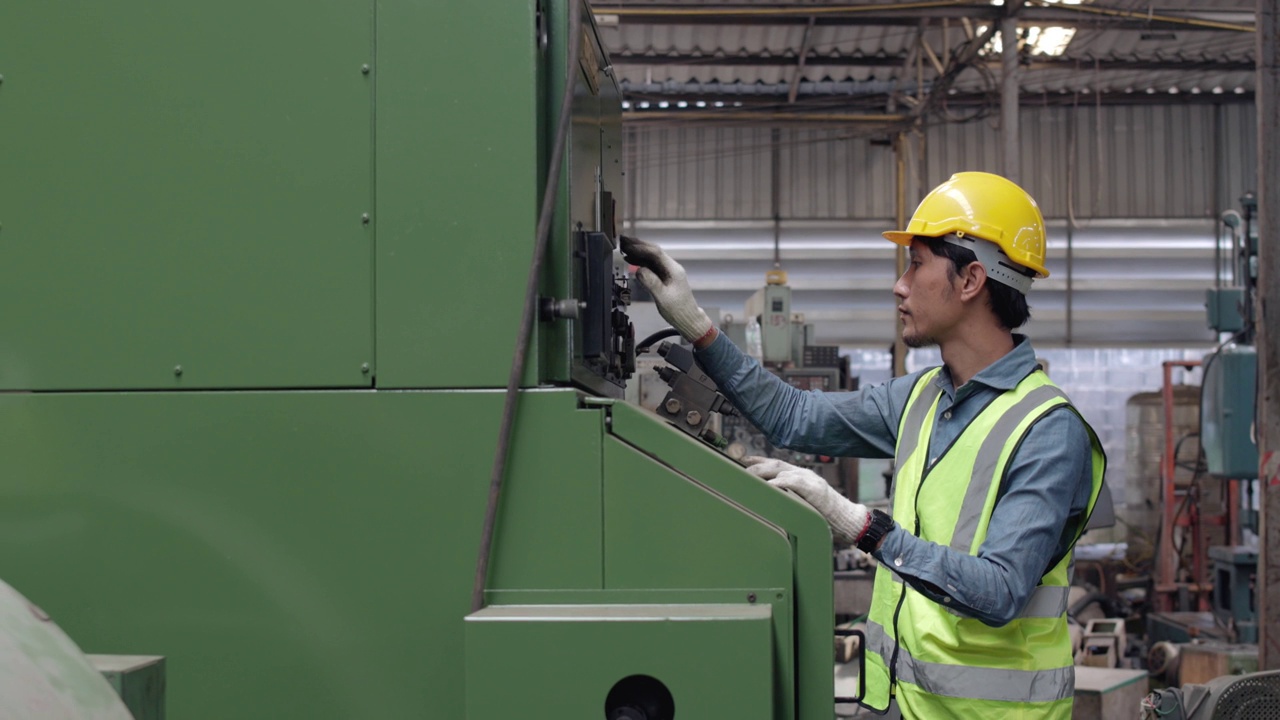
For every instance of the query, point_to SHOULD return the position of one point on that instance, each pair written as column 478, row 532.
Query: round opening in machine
column 639, row 697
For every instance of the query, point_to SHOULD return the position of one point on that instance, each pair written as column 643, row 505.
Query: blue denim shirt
column 1033, row 524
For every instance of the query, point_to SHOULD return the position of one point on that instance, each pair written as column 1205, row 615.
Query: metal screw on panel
column 177, row 370
column 694, row 417
column 673, row 405
column 364, row 368
column 364, row 218
column 364, row 69
column 751, row 597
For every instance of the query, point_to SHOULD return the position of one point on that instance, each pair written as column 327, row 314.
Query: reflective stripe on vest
column 917, row 413
column 943, row 661
column 984, row 466
column 1048, row 601
column 975, row 683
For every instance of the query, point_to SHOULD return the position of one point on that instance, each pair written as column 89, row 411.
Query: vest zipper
column 897, row 611
column 902, row 597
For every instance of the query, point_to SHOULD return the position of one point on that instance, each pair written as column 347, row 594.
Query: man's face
column 928, row 304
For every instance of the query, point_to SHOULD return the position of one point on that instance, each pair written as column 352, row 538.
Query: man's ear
column 971, row 280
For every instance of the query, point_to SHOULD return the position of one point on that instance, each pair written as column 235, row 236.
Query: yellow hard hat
column 986, row 206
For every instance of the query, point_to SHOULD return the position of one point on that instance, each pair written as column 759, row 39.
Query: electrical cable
column 644, row 345
column 549, row 195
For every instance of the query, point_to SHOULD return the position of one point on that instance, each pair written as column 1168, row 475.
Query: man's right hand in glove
column 666, row 281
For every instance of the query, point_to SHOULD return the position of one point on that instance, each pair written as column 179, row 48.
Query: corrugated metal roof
column 709, row 49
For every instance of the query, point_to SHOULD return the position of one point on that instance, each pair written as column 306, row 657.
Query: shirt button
column 946, row 415
column 897, row 562
column 946, row 600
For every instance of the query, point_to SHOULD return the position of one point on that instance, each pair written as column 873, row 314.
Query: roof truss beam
column 896, row 61
column 828, row 15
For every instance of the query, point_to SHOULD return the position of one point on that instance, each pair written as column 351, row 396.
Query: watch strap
column 879, row 526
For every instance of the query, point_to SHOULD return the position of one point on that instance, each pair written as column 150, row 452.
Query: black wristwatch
column 879, row 526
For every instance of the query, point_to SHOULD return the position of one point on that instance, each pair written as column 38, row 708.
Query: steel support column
column 1268, row 314
column 900, row 253
column 1009, row 90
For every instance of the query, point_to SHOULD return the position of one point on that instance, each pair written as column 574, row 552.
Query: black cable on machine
column 646, row 344
column 556, row 160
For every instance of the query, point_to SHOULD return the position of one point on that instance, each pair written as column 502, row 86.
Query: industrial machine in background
column 670, row 383
column 264, row 268
column 1205, row 590
column 785, row 345
column 1255, row 696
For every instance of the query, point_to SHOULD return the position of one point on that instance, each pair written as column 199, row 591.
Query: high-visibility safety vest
column 937, row 662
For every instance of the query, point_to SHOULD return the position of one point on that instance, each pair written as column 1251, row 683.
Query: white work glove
column 666, row 280
column 847, row 518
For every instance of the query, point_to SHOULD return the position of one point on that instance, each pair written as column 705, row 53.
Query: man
column 996, row 473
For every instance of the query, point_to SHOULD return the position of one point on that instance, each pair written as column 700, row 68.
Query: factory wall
column 1130, row 195
column 1136, row 161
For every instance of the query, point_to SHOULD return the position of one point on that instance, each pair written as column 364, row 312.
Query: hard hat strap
column 999, row 267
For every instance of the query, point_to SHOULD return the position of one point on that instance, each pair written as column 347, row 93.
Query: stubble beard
column 918, row 341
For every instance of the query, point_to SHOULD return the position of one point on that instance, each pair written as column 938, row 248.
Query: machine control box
column 1226, row 412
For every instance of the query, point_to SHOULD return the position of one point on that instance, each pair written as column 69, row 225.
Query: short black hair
column 1009, row 305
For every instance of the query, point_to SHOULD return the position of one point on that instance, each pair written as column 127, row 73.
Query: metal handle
column 862, row 665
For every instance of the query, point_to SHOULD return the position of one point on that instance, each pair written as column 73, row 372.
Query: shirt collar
column 1003, row 374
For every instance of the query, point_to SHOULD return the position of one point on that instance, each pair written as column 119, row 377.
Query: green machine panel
column 292, row 555
column 458, row 183
column 306, row 235
column 589, row 661
column 460, row 172
column 806, row 670
column 183, row 192
column 657, row 522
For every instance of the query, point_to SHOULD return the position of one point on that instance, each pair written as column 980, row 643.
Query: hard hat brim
column 904, row 238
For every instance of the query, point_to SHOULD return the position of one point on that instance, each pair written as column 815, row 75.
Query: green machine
column 262, row 269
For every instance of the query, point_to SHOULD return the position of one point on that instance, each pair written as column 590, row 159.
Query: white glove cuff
column 847, row 519
column 692, row 326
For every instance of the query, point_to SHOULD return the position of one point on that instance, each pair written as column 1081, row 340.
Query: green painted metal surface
column 809, row 535
column 660, row 526
column 314, row 550
column 563, row 662
column 305, row 554
column 138, row 680
column 461, row 162
column 189, row 189
column 590, row 188
column 182, row 186
column 458, row 135
column 657, row 523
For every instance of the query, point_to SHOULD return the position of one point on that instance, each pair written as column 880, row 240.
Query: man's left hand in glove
column 846, row 518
